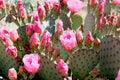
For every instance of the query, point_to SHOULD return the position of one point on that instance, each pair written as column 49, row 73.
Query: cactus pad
column 6, row 61
column 109, row 56
column 48, row 71
column 82, row 62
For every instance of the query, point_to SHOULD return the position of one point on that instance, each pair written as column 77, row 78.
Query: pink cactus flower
column 62, row 67
column 23, row 13
column 41, row 11
column 12, row 50
column 4, row 33
column 14, row 35
column 2, row 4
column 12, row 74
column 32, row 63
column 89, row 38
column 45, row 38
column 19, row 4
column 35, row 16
column 29, row 29
column 68, row 39
column 116, row 2
column 37, row 27
column 79, row 36
column 34, row 40
column 8, row 42
column 59, row 26
column 76, row 6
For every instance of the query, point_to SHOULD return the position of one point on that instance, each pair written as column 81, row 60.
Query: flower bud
column 14, row 35
column 49, row 47
column 21, row 69
column 47, row 5
column 19, row 4
column 59, row 26
column 101, row 6
column 35, row 16
column 56, row 52
column 62, row 68
column 2, row 4
column 41, row 11
column 89, row 38
column 4, row 33
column 45, row 38
column 12, row 74
column 12, row 50
column 29, row 29
column 23, row 13
column 8, row 42
column 37, row 27
column 34, row 40
column 79, row 36
column 97, row 41
column 92, row 2
column 117, row 2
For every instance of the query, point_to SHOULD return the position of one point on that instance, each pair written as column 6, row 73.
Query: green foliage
column 76, row 21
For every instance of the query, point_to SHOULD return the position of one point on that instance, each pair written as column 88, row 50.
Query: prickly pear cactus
column 109, row 56
column 82, row 62
column 6, row 61
column 48, row 71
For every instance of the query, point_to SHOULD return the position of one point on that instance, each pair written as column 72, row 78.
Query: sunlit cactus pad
column 48, row 71
column 109, row 56
column 6, row 61
column 82, row 62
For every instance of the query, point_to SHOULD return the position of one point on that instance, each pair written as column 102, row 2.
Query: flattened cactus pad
column 82, row 62
column 109, row 56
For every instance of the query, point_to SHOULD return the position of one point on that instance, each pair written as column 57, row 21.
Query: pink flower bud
column 97, row 41
column 79, row 36
column 47, row 5
column 4, row 33
column 89, row 38
column 75, row 5
column 19, row 3
column 117, row 2
column 2, row 4
column 37, row 27
column 41, row 11
column 12, row 74
column 8, row 42
column 62, row 67
column 36, row 16
column 59, row 26
column 57, row 7
column 32, row 63
column 14, row 35
column 34, row 40
column 101, row 6
column 29, row 29
column 21, row 69
column 23, row 13
column 45, row 38
column 68, row 39
column 93, row 2
column 12, row 50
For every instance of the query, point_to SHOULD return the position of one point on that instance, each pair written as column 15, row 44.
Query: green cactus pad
column 6, row 61
column 82, row 62
column 48, row 71
column 109, row 56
